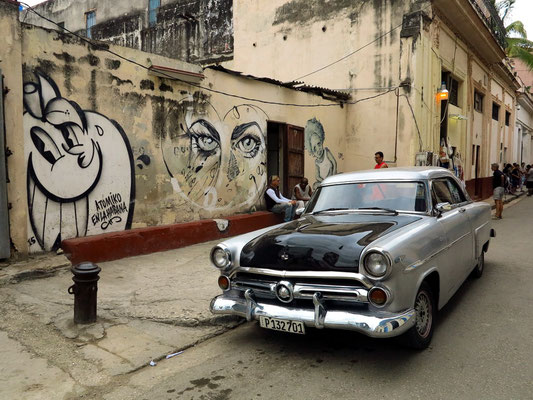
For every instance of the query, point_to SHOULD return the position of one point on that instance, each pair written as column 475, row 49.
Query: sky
column 523, row 11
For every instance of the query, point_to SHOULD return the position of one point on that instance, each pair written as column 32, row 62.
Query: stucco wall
column 10, row 62
column 109, row 147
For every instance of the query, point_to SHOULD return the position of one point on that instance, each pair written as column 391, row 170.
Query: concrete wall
column 194, row 30
column 109, row 147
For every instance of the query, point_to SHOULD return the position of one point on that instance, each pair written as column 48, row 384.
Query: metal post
column 84, row 290
column 5, row 243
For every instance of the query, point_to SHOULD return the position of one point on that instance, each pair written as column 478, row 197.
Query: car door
column 456, row 225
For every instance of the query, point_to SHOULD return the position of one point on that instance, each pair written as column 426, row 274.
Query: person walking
column 379, row 160
column 276, row 203
column 498, row 181
column 529, row 179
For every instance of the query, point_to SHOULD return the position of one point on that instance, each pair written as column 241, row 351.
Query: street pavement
column 149, row 307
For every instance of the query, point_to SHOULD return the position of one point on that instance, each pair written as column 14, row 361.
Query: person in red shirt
column 379, row 161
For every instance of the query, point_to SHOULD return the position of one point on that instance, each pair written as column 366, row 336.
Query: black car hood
column 320, row 242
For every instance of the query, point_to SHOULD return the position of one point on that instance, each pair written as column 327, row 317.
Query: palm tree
column 518, row 45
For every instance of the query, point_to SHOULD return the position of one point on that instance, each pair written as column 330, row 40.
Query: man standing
column 276, row 203
column 498, row 181
column 379, row 161
column 302, row 192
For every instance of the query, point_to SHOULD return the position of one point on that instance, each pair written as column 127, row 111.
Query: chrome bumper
column 378, row 324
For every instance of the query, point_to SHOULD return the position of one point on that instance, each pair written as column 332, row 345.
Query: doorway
column 285, row 155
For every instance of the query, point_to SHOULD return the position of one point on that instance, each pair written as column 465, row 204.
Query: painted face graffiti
column 325, row 163
column 65, row 150
column 220, row 161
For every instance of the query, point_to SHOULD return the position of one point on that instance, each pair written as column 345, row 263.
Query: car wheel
column 419, row 336
column 478, row 270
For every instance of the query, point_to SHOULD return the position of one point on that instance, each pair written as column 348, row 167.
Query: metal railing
column 489, row 14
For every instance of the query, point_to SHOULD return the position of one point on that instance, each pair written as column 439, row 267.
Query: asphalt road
column 482, row 348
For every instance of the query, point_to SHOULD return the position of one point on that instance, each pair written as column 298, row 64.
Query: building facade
column 198, row 31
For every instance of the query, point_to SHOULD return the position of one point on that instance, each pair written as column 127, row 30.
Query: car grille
column 263, row 286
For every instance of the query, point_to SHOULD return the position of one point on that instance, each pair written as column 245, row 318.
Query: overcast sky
column 523, row 11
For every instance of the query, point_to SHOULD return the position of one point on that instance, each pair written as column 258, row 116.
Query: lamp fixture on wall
column 442, row 94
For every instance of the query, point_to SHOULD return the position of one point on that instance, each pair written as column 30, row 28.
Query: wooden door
column 293, row 165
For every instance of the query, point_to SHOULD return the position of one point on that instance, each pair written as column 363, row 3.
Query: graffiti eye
column 206, row 143
column 70, row 137
column 204, row 137
column 249, row 145
column 45, row 145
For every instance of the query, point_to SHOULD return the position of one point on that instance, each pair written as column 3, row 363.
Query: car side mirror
column 442, row 207
column 299, row 211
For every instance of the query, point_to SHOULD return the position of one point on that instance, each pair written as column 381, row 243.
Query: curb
column 134, row 242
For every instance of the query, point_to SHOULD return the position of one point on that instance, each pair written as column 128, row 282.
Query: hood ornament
column 284, row 291
column 284, row 256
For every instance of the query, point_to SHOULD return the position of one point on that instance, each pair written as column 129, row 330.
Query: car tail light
column 224, row 282
column 378, row 296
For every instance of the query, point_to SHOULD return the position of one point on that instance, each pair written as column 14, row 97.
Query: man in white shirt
column 302, row 193
column 275, row 201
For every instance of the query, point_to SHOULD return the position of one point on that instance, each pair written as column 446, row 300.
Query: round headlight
column 220, row 257
column 376, row 264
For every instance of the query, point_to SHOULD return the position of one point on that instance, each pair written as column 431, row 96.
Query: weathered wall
column 110, row 147
column 193, row 30
column 270, row 36
column 10, row 61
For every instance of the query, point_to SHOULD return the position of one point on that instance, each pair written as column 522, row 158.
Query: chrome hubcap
column 424, row 318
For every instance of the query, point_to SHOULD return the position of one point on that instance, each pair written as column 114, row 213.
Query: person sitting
column 302, row 193
column 276, row 203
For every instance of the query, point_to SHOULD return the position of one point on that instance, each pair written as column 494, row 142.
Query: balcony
column 490, row 17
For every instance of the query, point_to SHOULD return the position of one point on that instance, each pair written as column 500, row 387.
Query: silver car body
column 441, row 247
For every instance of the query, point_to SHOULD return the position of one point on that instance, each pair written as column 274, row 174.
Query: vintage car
column 377, row 252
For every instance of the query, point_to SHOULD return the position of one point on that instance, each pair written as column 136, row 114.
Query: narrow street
column 481, row 348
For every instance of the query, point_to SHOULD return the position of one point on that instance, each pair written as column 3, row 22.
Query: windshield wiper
column 330, row 209
column 379, row 209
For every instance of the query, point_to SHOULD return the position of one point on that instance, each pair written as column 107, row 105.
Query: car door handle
column 462, row 210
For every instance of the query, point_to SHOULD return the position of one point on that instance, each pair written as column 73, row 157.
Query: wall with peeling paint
column 195, row 31
column 110, row 147
column 10, row 61
column 287, row 40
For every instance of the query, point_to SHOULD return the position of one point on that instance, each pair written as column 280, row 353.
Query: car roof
column 386, row 174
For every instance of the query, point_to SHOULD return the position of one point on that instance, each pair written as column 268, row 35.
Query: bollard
column 84, row 290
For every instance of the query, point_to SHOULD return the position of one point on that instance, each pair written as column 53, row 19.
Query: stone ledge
column 117, row 245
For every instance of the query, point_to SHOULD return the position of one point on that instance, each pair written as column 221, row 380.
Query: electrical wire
column 105, row 48
column 420, row 142
column 359, row 49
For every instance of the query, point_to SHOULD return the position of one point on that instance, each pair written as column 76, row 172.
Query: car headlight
column 376, row 264
column 220, row 257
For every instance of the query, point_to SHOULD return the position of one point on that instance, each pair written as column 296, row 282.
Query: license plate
column 282, row 325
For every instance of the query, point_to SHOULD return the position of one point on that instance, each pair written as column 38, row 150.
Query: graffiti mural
column 80, row 177
column 217, row 161
column 325, row 163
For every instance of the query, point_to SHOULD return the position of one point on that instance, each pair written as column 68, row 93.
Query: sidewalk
column 149, row 306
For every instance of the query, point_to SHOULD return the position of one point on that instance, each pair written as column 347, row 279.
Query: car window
column 457, row 193
column 441, row 192
column 395, row 195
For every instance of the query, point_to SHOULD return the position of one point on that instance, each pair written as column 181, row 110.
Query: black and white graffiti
column 325, row 163
column 80, row 176
column 217, row 162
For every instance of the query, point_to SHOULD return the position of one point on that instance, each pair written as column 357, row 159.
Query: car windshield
column 379, row 196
